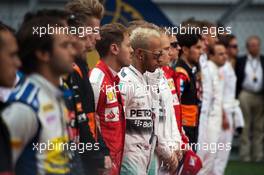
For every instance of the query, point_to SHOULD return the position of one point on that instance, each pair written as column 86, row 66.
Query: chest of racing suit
column 48, row 104
column 109, row 110
column 186, row 82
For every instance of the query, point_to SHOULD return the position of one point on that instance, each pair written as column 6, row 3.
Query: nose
column 179, row 47
column 73, row 51
column 97, row 37
column 17, row 62
column 131, row 50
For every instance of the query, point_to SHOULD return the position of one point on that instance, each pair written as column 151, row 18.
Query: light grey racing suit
column 138, row 104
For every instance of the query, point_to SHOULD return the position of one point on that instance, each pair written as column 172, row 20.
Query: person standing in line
column 138, row 87
column 37, row 113
column 115, row 51
column 250, row 91
column 168, row 152
column 216, row 118
column 86, row 14
column 9, row 64
column 230, row 104
column 191, row 46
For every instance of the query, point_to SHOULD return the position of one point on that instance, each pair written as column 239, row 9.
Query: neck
column 254, row 55
column 206, row 50
column 138, row 66
column 215, row 62
column 230, row 57
column 81, row 57
column 113, row 63
column 184, row 58
column 48, row 75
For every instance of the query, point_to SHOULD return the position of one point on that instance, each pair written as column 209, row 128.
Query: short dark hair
column 110, row 33
column 226, row 39
column 4, row 28
column 29, row 42
column 188, row 39
column 211, row 49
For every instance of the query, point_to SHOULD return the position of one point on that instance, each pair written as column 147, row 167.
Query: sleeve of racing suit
column 181, row 80
column 207, row 92
column 169, row 137
column 22, row 124
column 96, row 83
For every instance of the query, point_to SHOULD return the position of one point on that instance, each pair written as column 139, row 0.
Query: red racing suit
column 109, row 111
column 169, row 74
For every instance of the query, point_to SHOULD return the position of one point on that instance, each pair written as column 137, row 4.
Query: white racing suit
column 206, row 100
column 169, row 138
column 36, row 120
column 233, row 114
column 138, row 103
column 214, row 121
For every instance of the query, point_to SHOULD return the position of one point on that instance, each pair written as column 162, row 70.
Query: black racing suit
column 84, row 108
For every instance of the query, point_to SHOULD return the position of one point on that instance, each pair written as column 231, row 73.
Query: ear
column 139, row 54
column 114, row 49
column 185, row 50
column 43, row 56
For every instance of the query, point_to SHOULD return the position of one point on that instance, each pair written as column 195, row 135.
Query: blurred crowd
column 156, row 103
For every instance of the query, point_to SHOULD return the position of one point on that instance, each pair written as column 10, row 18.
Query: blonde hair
column 140, row 36
column 92, row 8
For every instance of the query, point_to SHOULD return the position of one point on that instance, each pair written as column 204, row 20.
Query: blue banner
column 124, row 11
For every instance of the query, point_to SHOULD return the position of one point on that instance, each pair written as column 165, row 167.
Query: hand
column 107, row 162
column 174, row 163
column 179, row 154
column 225, row 124
column 171, row 164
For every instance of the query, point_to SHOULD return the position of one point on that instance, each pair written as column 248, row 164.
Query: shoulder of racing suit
column 181, row 70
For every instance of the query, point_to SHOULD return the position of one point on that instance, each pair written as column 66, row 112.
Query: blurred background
column 246, row 17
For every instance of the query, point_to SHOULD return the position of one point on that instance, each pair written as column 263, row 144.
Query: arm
column 207, row 92
column 96, row 79
column 181, row 80
column 22, row 124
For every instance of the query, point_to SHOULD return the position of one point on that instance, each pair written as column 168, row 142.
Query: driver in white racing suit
column 139, row 100
column 168, row 153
